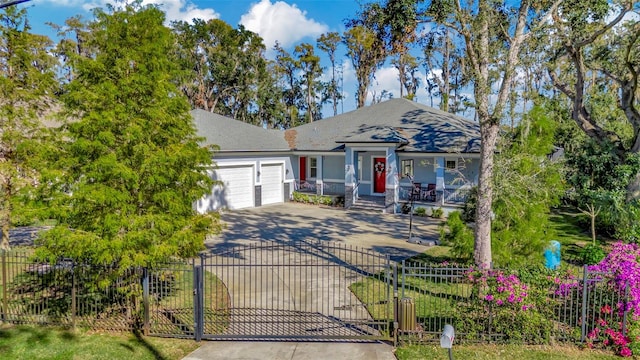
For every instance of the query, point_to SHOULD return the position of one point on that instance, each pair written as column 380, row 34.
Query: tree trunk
column 482, row 247
column 633, row 189
column 5, row 216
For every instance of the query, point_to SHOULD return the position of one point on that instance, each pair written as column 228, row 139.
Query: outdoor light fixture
column 446, row 339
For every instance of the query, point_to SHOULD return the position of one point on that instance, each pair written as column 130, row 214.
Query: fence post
column 145, row 301
column 4, row 285
column 73, row 294
column 583, row 327
column 198, row 300
column 403, row 276
column 395, row 302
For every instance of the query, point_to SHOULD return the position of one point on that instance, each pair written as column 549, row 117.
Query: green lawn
column 498, row 352
column 25, row 342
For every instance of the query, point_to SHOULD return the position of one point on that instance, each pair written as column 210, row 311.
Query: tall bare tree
column 329, row 43
column 493, row 34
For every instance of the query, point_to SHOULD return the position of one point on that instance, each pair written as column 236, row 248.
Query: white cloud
column 385, row 78
column 175, row 9
column 183, row 10
column 282, row 22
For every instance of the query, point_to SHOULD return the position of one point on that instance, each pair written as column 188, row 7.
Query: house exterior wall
column 465, row 175
column 253, row 161
column 333, row 168
column 366, row 182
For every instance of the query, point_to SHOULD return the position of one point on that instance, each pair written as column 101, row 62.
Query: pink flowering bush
column 622, row 273
column 503, row 304
column 500, row 289
column 623, row 263
column 609, row 335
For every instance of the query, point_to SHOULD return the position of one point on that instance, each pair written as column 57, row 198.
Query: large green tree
column 528, row 184
column 131, row 161
column 367, row 53
column 309, row 63
column 493, row 34
column 592, row 48
column 224, row 68
column 27, row 84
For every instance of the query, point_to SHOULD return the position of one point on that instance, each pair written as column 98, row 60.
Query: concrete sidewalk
column 244, row 350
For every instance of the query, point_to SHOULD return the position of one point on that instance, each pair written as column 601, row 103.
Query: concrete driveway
column 290, row 223
column 384, row 233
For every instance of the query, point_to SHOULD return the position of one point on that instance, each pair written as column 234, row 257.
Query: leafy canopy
column 132, row 164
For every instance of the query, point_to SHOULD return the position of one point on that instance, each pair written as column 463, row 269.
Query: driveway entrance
column 287, row 272
column 301, row 290
column 291, row 222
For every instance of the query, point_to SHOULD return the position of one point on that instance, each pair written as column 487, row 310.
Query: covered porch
column 396, row 178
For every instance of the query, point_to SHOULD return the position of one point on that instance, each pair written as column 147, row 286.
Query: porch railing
column 447, row 196
column 328, row 187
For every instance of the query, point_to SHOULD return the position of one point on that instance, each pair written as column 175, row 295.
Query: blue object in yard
column 552, row 255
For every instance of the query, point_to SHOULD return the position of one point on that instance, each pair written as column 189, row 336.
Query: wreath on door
column 379, row 167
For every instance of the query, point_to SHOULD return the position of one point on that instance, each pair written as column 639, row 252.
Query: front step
column 369, row 203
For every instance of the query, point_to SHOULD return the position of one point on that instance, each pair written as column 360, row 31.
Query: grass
column 171, row 300
column 173, row 314
column 569, row 226
column 25, row 342
column 497, row 352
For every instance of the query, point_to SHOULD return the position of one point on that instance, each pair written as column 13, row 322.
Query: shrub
column 437, row 213
column 634, row 336
column 420, row 211
column 459, row 235
column 512, row 310
column 469, row 208
column 592, row 254
column 623, row 263
column 608, row 334
column 315, row 199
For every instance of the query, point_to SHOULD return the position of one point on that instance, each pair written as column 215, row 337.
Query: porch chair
column 430, row 193
column 415, row 191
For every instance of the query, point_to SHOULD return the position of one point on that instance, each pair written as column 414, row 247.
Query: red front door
column 303, row 169
column 379, row 174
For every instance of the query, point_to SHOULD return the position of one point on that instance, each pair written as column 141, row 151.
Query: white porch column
column 440, row 178
column 391, row 182
column 349, row 177
column 319, row 176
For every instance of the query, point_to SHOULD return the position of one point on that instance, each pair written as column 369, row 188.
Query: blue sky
column 290, row 22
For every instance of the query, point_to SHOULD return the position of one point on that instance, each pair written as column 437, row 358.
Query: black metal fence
column 68, row 294
column 309, row 290
column 563, row 308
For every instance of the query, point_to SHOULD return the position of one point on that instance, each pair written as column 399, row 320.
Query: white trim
column 421, row 155
column 333, row 180
column 369, row 148
column 318, row 153
column 447, row 159
column 308, row 163
column 365, row 182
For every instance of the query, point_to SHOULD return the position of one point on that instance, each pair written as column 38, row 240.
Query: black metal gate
column 301, row 290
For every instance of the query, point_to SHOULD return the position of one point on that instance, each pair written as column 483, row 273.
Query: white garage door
column 237, row 191
column 272, row 184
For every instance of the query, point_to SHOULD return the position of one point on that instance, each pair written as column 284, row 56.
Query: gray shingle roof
column 422, row 128
column 412, row 126
column 233, row 135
